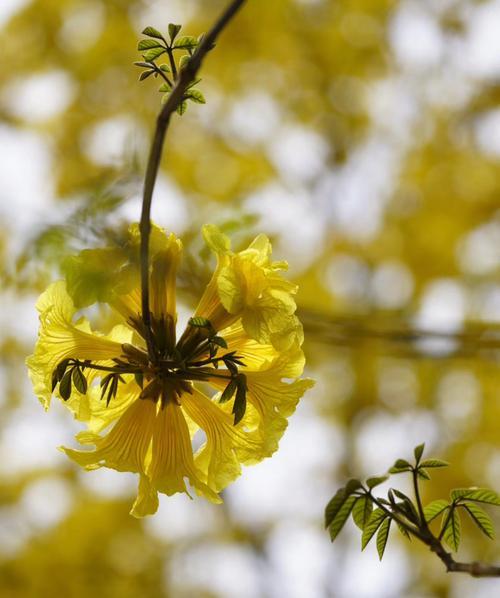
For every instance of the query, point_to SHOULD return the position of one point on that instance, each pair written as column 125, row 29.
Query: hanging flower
column 143, row 409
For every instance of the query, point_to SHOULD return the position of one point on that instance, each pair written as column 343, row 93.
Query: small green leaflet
column 334, row 505
column 362, row 511
column 173, row 30
column 152, row 32
column 433, row 463
column 187, row 42
column 195, row 96
column 435, row 508
column 477, row 495
column 382, row 536
column 147, row 44
column 376, row 519
column 341, row 517
column 150, row 55
column 418, row 451
column 376, row 481
column 451, row 525
column 79, row 380
column 481, row 519
column 65, row 386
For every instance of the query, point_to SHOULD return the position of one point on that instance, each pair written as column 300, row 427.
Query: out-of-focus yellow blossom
column 143, row 410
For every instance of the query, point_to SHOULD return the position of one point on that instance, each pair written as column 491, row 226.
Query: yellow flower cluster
column 143, row 408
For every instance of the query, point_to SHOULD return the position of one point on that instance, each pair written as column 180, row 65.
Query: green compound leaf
column 382, row 537
column 152, row 32
column 362, row 511
column 187, row 42
column 375, row 521
column 433, row 463
column 341, row 517
column 150, row 55
column 451, row 526
column 173, row 30
column 434, row 509
column 418, row 451
column 376, row 481
column 481, row 519
column 147, row 44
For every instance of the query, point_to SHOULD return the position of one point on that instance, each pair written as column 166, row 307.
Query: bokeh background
column 364, row 137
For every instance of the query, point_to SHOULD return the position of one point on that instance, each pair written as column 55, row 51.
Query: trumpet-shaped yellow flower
column 143, row 408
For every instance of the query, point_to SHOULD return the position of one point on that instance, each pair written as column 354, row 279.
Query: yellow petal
column 163, row 278
column 172, row 456
column 226, row 445
column 146, row 502
column 125, row 447
column 59, row 338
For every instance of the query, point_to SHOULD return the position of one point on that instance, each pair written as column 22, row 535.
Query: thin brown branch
column 475, row 569
column 185, row 77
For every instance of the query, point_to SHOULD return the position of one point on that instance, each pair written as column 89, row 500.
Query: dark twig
column 185, row 77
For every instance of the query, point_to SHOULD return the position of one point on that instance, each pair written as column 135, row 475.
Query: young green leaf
column 181, row 108
column 382, row 536
column 228, row 391
column 481, row 519
column 484, row 495
column 147, row 44
column 187, row 42
column 341, row 517
column 165, row 68
column 152, row 32
column 334, row 505
column 399, row 466
column 150, row 55
column 419, row 451
column 79, row 380
column 65, row 386
column 218, row 340
column 376, row 519
column 376, row 481
column 164, row 87
column 451, row 526
column 195, row 96
column 435, row 508
column 240, row 402
column 422, row 473
column 362, row 511
column 184, row 59
column 145, row 75
column 434, row 463
column 173, row 30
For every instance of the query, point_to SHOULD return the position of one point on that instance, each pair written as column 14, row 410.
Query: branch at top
column 185, row 77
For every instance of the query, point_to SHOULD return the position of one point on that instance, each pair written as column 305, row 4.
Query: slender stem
column 185, row 77
column 172, row 62
column 418, row 500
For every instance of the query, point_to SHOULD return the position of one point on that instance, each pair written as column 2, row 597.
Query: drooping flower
column 143, row 409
